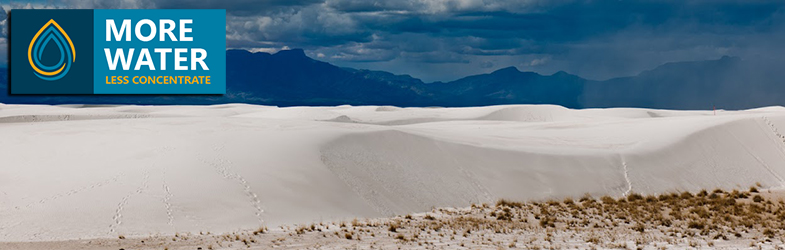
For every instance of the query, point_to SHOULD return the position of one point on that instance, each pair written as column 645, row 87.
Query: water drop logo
column 51, row 32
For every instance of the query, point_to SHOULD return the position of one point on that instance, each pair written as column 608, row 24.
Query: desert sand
column 73, row 173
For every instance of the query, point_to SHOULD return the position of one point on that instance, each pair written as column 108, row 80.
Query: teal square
column 60, row 58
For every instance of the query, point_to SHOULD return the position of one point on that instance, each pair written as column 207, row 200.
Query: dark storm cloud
column 453, row 38
column 238, row 7
column 235, row 7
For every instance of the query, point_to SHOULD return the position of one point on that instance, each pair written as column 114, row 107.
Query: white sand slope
column 69, row 172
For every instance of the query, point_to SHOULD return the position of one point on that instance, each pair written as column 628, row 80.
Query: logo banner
column 118, row 51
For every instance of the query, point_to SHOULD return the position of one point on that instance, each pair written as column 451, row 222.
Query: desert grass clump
column 639, row 227
column 300, row 230
column 546, row 222
column 505, row 214
column 769, row 233
column 356, row 223
column 607, row 200
column 260, row 230
column 664, row 197
column 586, row 198
column 632, row 197
column 678, row 218
column 507, row 203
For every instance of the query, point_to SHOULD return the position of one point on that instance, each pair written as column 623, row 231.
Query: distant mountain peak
column 291, row 53
column 678, row 68
column 511, row 69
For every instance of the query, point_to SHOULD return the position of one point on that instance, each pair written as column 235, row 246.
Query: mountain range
column 290, row 78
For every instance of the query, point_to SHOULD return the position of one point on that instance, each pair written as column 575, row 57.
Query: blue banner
column 118, row 52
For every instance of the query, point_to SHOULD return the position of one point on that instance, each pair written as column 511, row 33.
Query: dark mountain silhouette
column 510, row 86
column 289, row 78
column 729, row 83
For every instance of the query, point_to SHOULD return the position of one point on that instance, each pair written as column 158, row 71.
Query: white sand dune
column 69, row 172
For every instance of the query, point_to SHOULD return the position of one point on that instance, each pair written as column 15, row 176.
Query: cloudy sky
column 448, row 39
